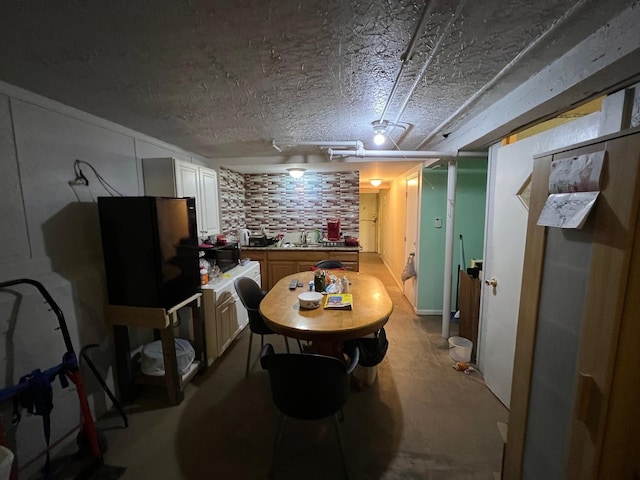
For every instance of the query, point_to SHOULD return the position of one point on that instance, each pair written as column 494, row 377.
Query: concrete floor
column 421, row 419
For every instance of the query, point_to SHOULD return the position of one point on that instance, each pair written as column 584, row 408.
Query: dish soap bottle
column 345, row 284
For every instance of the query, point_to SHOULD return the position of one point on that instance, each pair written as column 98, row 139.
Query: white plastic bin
column 6, row 460
column 460, row 349
column 152, row 358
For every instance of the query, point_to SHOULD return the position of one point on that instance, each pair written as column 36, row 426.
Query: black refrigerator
column 150, row 249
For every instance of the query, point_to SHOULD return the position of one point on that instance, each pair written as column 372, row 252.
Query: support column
column 452, row 178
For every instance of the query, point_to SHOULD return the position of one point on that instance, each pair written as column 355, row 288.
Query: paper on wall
column 574, row 185
column 576, row 174
column 567, row 210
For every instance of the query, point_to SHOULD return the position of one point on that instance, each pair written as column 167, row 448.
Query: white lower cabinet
column 224, row 314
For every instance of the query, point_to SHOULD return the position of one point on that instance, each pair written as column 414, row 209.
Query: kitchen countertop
column 228, row 277
column 309, row 247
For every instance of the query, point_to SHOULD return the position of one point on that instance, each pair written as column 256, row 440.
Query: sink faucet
column 303, row 237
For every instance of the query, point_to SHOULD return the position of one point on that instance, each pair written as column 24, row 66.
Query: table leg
column 124, row 373
column 326, row 347
column 171, row 376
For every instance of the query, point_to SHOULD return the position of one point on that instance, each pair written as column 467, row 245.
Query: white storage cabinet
column 170, row 177
column 224, row 313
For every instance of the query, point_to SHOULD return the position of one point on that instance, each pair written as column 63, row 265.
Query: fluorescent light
column 375, row 182
column 296, row 172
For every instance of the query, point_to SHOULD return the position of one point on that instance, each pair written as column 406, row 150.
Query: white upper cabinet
column 209, row 201
column 187, row 181
column 170, row 177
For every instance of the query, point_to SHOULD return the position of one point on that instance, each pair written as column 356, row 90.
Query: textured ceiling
column 225, row 78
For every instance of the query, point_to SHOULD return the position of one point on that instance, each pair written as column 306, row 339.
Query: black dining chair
column 251, row 295
column 308, row 386
column 329, row 265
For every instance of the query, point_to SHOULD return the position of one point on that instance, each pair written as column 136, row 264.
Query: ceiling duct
column 560, row 23
column 402, row 154
column 407, row 56
column 356, row 144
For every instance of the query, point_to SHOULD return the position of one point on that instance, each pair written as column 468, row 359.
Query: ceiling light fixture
column 380, row 132
column 379, row 129
column 375, row 182
column 296, row 172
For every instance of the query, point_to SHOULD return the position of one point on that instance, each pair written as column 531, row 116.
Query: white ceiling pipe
column 357, row 144
column 430, row 57
column 408, row 55
column 568, row 15
column 403, row 153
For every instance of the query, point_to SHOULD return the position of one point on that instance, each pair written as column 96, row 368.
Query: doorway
column 368, row 224
column 411, row 233
column 505, row 235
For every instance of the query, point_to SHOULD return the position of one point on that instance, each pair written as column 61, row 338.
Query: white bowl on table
column 310, row 300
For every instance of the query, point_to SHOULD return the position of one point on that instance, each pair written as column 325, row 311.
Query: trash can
column 152, row 358
column 6, row 460
column 460, row 349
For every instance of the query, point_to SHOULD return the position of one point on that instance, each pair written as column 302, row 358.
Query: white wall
column 50, row 233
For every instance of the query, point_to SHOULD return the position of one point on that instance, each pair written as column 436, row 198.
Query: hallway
column 421, row 419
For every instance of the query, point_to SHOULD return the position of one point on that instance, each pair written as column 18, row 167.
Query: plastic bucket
column 460, row 349
column 6, row 460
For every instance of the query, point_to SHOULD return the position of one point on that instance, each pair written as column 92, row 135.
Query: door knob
column 491, row 282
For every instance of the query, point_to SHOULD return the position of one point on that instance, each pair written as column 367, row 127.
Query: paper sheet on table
column 574, row 185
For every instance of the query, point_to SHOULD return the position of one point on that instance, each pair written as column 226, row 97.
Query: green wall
column 469, row 222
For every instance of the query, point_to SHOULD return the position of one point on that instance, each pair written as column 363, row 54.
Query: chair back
column 308, row 386
column 329, row 265
column 251, row 295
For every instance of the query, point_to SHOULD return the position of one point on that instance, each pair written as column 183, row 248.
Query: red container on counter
column 351, row 241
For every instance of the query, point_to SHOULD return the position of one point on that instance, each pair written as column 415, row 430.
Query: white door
column 368, row 225
column 505, row 234
column 411, row 234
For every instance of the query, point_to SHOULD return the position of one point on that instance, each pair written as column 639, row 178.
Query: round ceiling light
column 296, row 172
column 375, row 182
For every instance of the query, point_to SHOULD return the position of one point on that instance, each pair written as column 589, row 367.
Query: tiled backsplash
column 231, row 198
column 282, row 204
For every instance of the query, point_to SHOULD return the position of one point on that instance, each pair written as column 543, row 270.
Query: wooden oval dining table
column 326, row 328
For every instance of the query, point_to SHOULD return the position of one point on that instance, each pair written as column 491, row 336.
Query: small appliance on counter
column 243, row 236
column 225, row 257
column 351, row 241
column 333, row 229
column 257, row 240
column 221, row 240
